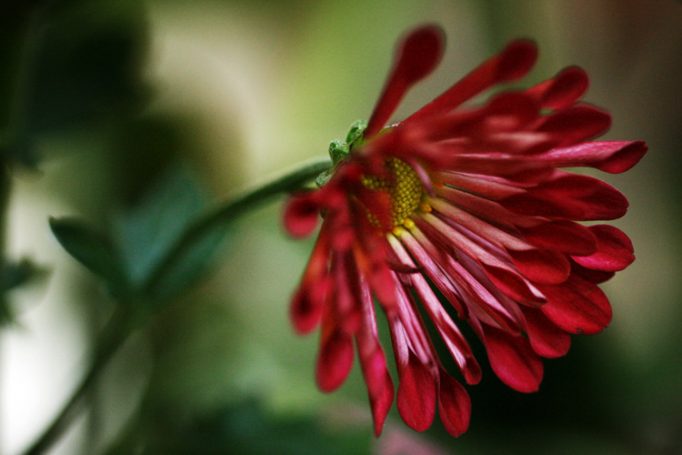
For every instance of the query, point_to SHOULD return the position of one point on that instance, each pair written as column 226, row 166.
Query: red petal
column 564, row 236
column 575, row 124
column 513, row 62
column 514, row 109
column 572, row 196
column 614, row 250
column 379, row 385
column 577, row 306
column 609, row 156
column 301, row 215
column 373, row 361
column 513, row 360
column 593, row 276
column 562, row 90
column 417, row 57
column 541, row 266
column 546, row 339
column 334, row 361
column 416, row 395
column 306, row 306
column 512, row 285
column 454, row 405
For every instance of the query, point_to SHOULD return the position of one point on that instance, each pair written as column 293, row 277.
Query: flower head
column 461, row 215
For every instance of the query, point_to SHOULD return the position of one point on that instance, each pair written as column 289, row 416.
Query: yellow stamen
column 405, row 190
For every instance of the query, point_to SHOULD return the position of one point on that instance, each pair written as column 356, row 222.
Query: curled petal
column 614, row 250
column 334, row 361
column 513, row 360
column 454, row 405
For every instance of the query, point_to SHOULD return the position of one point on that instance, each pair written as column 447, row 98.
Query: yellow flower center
column 405, row 190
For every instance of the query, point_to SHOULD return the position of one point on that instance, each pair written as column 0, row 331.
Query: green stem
column 123, row 322
column 221, row 216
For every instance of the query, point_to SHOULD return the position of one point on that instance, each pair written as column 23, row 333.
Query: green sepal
column 338, row 151
column 356, row 134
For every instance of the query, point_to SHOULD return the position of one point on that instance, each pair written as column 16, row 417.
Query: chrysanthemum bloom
column 461, row 214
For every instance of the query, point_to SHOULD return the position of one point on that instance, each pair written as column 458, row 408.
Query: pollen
column 405, row 190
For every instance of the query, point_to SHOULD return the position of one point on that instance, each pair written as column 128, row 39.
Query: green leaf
column 93, row 250
column 148, row 231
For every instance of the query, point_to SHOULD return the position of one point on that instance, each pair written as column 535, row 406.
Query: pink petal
column 577, row 306
column 614, row 250
column 541, row 266
column 565, row 236
column 572, row 196
column 454, row 405
column 513, row 360
column 334, row 361
column 546, row 339
column 513, row 62
column 301, row 215
column 416, row 394
column 562, row 90
column 417, row 57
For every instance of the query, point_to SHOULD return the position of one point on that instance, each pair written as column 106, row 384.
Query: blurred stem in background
column 130, row 316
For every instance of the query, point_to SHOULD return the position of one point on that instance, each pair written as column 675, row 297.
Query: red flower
column 462, row 214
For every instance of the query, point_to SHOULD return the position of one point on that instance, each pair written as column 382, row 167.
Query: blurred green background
column 135, row 115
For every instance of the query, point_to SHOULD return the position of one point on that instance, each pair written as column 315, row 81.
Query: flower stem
column 125, row 320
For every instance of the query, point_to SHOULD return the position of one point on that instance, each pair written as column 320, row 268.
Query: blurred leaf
column 15, row 274
column 74, row 65
column 148, row 231
column 92, row 249
column 141, row 238
column 245, row 429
